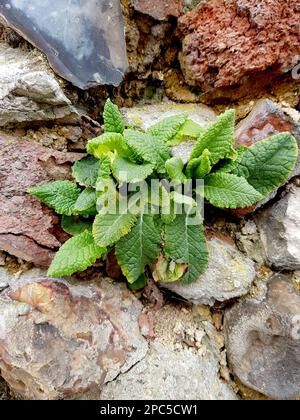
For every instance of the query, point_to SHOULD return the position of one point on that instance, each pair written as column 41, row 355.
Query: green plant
column 153, row 233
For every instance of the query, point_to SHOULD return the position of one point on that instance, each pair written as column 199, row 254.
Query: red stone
column 159, row 9
column 228, row 42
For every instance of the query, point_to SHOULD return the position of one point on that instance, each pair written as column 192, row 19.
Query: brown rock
column 113, row 270
column 26, row 226
column 238, row 42
column 158, row 9
column 263, row 340
column 59, row 339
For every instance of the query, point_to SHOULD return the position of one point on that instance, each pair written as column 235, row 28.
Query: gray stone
column 60, row 339
column 263, row 340
column 29, row 91
column 84, row 41
column 279, row 228
column 183, row 363
column 229, row 275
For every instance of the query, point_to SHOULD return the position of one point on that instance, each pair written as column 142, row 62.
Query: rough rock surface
column 263, row 340
column 83, row 48
column 229, row 275
column 29, row 91
column 27, row 228
column 267, row 119
column 60, row 339
column 183, row 363
column 228, row 42
column 158, row 9
column 279, row 228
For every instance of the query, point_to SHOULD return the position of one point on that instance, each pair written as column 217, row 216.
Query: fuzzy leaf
column 86, row 201
column 126, row 171
column 139, row 248
column 113, row 119
column 86, row 171
column 167, row 128
column 268, row 164
column 189, row 130
column 110, row 228
column 186, row 244
column 75, row 227
column 151, row 149
column 139, row 284
column 199, row 167
column 59, row 195
column 218, row 138
column 230, row 191
column 76, row 255
column 104, row 171
column 174, row 167
column 106, row 143
column 229, row 165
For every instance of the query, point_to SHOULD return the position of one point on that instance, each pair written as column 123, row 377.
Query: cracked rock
column 229, row 275
column 29, row 92
column 27, row 228
column 87, row 46
column 263, row 340
column 61, row 339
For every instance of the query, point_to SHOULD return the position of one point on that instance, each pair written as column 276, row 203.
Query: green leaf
column 126, row 171
column 139, row 248
column 166, row 129
column 59, row 195
column 75, row 226
column 86, row 201
column 104, row 171
column 229, row 165
column 86, row 171
column 218, row 138
column 149, row 148
column 268, row 164
column 186, row 243
column 189, row 130
column 139, row 284
column 199, row 167
column 174, row 167
column 230, row 191
column 76, row 255
column 106, row 143
column 113, row 119
column 110, row 228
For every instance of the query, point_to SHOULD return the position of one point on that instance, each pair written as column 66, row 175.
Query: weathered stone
column 29, row 91
column 183, row 363
column 239, row 41
column 279, row 228
column 158, row 9
column 88, row 44
column 26, row 226
column 267, row 119
column 229, row 275
column 61, row 339
column 263, row 340
column 143, row 117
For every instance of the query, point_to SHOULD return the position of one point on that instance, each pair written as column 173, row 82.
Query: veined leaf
column 199, row 167
column 269, row 163
column 174, row 167
column 230, row 191
column 59, row 195
column 139, row 248
column 186, row 244
column 77, row 254
column 229, row 165
column 104, row 171
column 110, row 228
column 126, row 171
column 86, row 201
column 151, row 149
column 108, row 142
column 139, row 284
column 167, row 128
column 218, row 138
column 86, row 171
column 76, row 226
column 189, row 130
column 113, row 120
